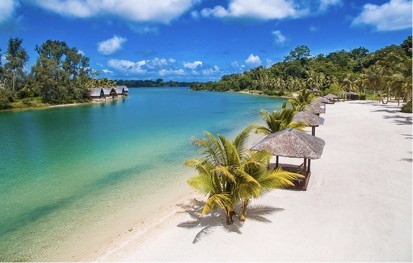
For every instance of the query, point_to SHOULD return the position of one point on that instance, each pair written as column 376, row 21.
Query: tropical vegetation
column 383, row 74
column 61, row 74
column 229, row 173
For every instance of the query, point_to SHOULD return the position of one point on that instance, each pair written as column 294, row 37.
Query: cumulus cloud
column 107, row 71
column 256, row 9
column 110, row 46
column 391, row 16
column 127, row 66
column 210, row 71
column 253, row 60
column 7, row 8
column 279, row 37
column 325, row 4
column 177, row 72
column 192, row 65
column 161, row 11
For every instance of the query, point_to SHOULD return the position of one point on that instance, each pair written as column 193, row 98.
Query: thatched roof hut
column 291, row 143
column 308, row 118
column 96, row 93
column 314, row 109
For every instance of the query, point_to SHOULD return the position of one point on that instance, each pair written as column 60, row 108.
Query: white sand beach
column 357, row 207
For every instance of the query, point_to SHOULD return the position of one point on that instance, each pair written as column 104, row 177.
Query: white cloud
column 279, row 37
column 256, row 9
column 325, row 4
column 7, row 8
column 253, row 60
column 128, row 66
column 391, row 16
column 210, row 71
column 162, row 11
column 178, row 72
column 107, row 71
column 109, row 46
column 193, row 65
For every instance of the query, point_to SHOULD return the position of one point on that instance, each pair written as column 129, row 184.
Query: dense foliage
column 384, row 73
column 61, row 74
column 153, row 83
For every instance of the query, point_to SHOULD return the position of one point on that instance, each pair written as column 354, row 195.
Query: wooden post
column 309, row 164
column 276, row 161
column 313, row 130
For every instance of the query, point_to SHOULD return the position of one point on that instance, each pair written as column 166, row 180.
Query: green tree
column 228, row 172
column 16, row 57
column 278, row 121
column 303, row 99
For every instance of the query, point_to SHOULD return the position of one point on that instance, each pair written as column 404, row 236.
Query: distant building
column 113, row 92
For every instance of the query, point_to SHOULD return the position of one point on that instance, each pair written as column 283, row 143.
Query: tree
column 16, row 58
column 303, row 99
column 61, row 73
column 278, row 121
column 228, row 173
column 299, row 53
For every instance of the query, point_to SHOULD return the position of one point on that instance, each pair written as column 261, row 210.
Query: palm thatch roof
column 314, row 109
column 323, row 100
column 291, row 143
column 331, row 97
column 308, row 118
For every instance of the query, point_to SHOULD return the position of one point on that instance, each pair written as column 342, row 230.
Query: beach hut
column 122, row 91
column 313, row 108
column 96, row 93
column 331, row 97
column 308, row 119
column 293, row 143
column 351, row 95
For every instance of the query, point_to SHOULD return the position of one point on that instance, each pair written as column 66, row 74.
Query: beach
column 357, row 207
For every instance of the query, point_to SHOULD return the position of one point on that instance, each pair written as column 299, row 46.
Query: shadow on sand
column 216, row 219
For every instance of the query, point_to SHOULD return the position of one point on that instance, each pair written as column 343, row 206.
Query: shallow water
column 68, row 174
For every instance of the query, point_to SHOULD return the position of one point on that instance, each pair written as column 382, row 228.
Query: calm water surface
column 67, row 174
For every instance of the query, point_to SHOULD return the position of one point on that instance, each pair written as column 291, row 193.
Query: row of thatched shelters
column 113, row 92
column 294, row 143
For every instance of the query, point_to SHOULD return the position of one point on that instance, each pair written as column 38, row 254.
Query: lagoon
column 72, row 177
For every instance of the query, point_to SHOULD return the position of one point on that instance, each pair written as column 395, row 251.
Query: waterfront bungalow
column 122, row 91
column 96, row 93
column 103, row 93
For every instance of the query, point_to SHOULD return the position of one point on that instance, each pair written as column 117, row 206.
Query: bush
column 407, row 107
column 5, row 99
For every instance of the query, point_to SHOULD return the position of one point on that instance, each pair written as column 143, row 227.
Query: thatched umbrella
column 323, row 100
column 331, row 97
column 313, row 108
column 294, row 144
column 319, row 104
column 308, row 119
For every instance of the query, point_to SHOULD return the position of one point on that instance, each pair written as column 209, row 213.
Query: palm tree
column 227, row 173
column 256, row 179
column 303, row 99
column 279, row 120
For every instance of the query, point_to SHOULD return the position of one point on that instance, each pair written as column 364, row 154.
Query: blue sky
column 200, row 40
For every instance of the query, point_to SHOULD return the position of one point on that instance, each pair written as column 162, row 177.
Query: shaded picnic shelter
column 309, row 119
column 293, row 143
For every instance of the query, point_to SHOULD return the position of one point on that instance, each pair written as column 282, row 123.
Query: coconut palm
column 279, row 120
column 228, row 172
column 303, row 99
column 256, row 179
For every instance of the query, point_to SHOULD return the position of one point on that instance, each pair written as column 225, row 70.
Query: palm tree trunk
column 243, row 215
column 229, row 213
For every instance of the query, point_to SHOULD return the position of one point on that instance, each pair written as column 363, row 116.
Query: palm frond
column 215, row 201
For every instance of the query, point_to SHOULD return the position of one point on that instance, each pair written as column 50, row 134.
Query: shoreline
column 337, row 229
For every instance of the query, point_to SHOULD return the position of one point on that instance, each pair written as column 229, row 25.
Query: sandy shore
column 358, row 205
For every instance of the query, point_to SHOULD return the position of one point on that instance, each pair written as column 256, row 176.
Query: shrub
column 407, row 107
column 5, row 99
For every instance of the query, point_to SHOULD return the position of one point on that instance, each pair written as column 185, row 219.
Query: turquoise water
column 68, row 174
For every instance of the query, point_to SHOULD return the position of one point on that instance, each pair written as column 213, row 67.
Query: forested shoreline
column 62, row 75
column 382, row 74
